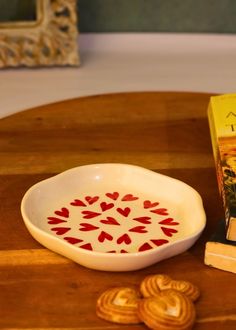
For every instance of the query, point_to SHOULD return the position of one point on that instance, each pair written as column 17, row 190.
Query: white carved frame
column 51, row 40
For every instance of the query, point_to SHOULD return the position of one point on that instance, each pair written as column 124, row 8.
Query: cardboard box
column 222, row 122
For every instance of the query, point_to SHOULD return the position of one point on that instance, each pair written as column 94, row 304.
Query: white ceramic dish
column 114, row 217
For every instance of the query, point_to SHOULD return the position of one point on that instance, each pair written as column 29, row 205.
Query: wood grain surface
column 165, row 132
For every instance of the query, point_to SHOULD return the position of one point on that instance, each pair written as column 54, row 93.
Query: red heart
column 54, row 221
column 104, row 236
column 91, row 200
column 113, row 195
column 78, row 202
column 148, row 204
column 106, row 206
column 168, row 222
column 113, row 251
column 110, row 221
column 138, row 229
column 160, row 211
column 145, row 247
column 64, row 212
column 143, row 220
column 73, row 240
column 169, row 231
column 87, row 227
column 123, row 251
column 129, row 198
column 87, row 246
column 125, row 212
column 90, row 214
column 159, row 242
column 124, row 238
column 60, row 230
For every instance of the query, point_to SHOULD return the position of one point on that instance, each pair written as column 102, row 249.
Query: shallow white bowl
column 114, row 217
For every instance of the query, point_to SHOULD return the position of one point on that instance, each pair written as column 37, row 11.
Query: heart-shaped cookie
column 153, row 284
column 119, row 305
column 167, row 311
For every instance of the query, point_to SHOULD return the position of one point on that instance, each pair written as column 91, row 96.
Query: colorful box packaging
column 222, row 122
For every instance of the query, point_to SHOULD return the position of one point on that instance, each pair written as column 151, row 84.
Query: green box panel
column 216, row 16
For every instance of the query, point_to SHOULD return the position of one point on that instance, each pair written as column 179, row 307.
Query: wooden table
column 165, row 132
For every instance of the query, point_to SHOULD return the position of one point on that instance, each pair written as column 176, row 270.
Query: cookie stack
column 161, row 303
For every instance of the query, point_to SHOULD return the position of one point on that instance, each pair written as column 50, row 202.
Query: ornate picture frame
column 50, row 40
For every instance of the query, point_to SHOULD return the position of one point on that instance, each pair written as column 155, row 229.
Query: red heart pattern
column 60, row 230
column 87, row 246
column 110, row 221
column 148, row 204
column 103, row 236
column 54, row 221
column 138, row 229
column 160, row 211
column 159, row 242
column 124, row 239
column 125, row 212
column 129, row 198
column 77, row 202
column 90, row 214
column 114, row 251
column 145, row 247
column 91, row 200
column 169, row 231
column 113, row 195
column 73, row 240
column 169, row 222
column 106, row 206
column 87, row 227
column 145, row 220
column 107, row 236
column 64, row 212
